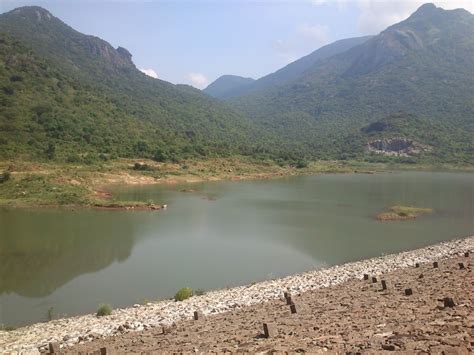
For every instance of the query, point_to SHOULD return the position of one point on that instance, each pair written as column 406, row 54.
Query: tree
column 51, row 151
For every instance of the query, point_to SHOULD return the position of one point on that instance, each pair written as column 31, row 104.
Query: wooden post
column 269, row 330
column 384, row 285
column 374, row 279
column 199, row 315
column 417, row 265
column 366, row 277
column 448, row 302
column 293, row 308
column 103, row 351
column 461, row 266
column 435, row 264
column 53, row 348
column 288, row 300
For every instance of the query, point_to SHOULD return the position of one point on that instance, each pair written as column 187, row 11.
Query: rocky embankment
column 157, row 317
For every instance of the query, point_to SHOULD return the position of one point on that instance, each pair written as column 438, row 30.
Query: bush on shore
column 183, row 294
column 104, row 310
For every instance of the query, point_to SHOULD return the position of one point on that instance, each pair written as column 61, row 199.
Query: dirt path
column 356, row 316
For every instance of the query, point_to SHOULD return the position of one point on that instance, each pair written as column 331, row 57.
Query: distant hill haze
column 236, row 86
column 225, row 85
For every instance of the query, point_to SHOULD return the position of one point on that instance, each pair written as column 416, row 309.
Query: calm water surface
column 223, row 234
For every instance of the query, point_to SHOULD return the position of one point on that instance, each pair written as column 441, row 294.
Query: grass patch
column 396, row 213
column 104, row 310
column 184, row 293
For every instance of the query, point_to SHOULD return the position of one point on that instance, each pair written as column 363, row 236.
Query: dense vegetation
column 68, row 97
column 422, row 66
column 71, row 97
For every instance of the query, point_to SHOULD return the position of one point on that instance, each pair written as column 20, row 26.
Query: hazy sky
column 196, row 41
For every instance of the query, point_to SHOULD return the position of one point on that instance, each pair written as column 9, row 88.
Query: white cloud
column 376, row 15
column 198, row 80
column 304, row 39
column 150, row 72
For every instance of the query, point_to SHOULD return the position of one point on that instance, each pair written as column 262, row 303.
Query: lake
column 221, row 234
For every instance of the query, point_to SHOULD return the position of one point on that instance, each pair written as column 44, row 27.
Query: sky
column 196, row 41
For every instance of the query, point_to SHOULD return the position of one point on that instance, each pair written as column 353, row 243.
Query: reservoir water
column 218, row 235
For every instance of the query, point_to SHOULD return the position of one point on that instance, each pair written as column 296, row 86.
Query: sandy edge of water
column 70, row 331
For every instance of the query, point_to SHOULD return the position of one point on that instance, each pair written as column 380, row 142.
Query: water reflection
column 43, row 250
column 222, row 234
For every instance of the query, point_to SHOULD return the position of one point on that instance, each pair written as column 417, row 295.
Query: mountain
column 290, row 72
column 226, row 84
column 66, row 95
column 422, row 66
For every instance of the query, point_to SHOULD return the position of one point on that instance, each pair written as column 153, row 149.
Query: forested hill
column 422, row 66
column 71, row 97
column 226, row 85
column 290, row 72
column 66, row 95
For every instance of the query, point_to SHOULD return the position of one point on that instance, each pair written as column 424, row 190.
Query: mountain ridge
column 68, row 96
column 422, row 66
column 292, row 70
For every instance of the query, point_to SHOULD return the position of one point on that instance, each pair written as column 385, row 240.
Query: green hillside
column 68, row 96
column 422, row 66
column 229, row 86
column 226, row 84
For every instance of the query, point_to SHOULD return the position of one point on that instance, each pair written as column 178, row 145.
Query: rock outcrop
column 397, row 147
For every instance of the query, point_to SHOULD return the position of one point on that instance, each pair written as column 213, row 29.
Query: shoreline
column 55, row 185
column 80, row 329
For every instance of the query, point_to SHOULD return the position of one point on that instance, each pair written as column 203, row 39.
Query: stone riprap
column 70, row 331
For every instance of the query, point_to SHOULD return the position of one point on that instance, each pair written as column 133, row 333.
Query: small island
column 397, row 213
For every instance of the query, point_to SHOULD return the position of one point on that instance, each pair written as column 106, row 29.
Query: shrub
column 183, row 294
column 4, row 177
column 142, row 167
column 50, row 151
column 8, row 90
column 301, row 164
column 73, row 158
column 199, row 292
column 104, row 310
column 6, row 328
column 14, row 78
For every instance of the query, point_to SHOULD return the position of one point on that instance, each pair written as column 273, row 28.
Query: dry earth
column 356, row 316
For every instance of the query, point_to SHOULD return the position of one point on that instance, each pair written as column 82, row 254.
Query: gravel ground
column 356, row 316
